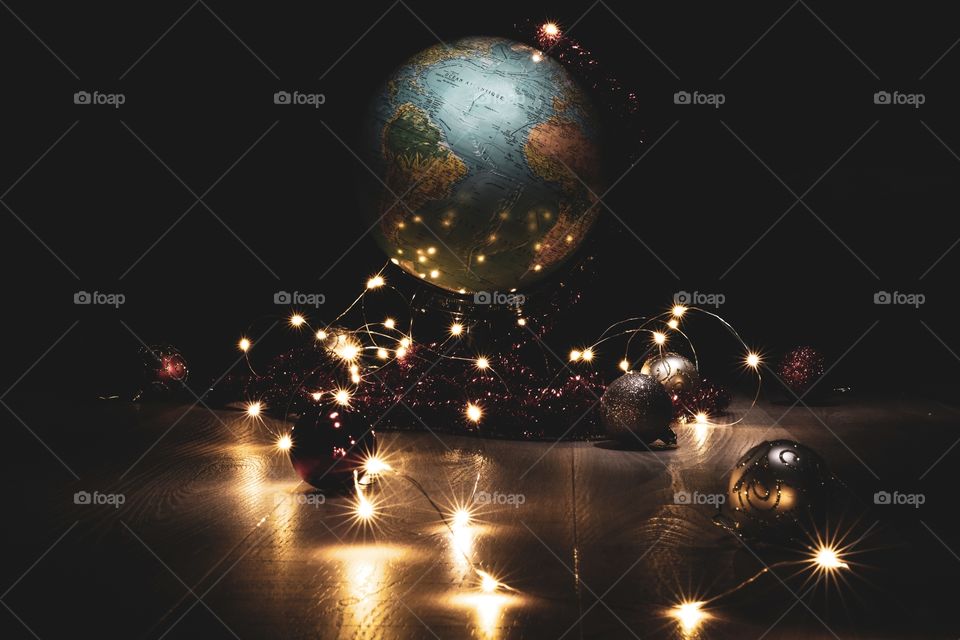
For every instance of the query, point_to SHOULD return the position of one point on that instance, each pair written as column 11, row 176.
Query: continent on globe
column 490, row 156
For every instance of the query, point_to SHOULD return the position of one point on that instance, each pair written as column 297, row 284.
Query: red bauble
column 801, row 368
column 325, row 450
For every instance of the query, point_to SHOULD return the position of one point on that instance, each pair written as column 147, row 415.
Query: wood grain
column 597, row 548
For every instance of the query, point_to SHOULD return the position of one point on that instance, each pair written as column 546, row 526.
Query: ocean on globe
column 490, row 153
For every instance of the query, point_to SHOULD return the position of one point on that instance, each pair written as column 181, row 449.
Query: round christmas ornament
column 636, row 408
column 777, row 486
column 163, row 368
column 801, row 368
column 325, row 451
column 675, row 372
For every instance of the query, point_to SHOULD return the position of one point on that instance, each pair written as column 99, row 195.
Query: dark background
column 200, row 98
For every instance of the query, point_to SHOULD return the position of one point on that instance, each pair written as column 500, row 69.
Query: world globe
column 488, row 158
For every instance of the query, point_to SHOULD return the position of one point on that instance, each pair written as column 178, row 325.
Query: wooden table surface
column 218, row 538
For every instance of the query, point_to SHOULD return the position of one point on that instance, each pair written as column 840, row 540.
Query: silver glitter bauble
column 776, row 486
column 635, row 408
column 675, row 372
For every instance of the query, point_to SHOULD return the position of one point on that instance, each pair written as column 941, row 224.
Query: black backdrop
column 800, row 98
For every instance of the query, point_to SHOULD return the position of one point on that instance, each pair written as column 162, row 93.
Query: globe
column 488, row 158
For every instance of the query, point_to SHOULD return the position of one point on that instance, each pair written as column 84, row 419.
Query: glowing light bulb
column 316, row 395
column 461, row 517
column 375, row 282
column 482, row 363
column 659, row 338
column 253, row 409
column 321, row 335
column 550, row 29
column 348, row 351
column 434, row 273
column 537, row 57
column 575, row 355
column 678, row 310
column 365, row 509
column 522, row 322
column 389, row 323
column 431, row 250
column 672, row 323
column 284, row 443
column 690, row 615
column 474, row 412
column 244, row 345
column 401, row 352
column 382, row 354
column 355, row 378
column 297, row 320
column 587, row 355
column 701, row 418
column 753, row 360
column 488, row 584
column 405, row 342
column 375, row 465
column 826, row 558
column 456, row 329
column 342, row 397
column 625, row 364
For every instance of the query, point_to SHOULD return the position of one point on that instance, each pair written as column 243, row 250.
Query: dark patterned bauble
column 325, row 450
column 675, row 372
column 636, row 409
column 801, row 368
column 777, row 487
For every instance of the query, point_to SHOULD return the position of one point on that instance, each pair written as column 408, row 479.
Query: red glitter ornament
column 707, row 397
column 801, row 368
